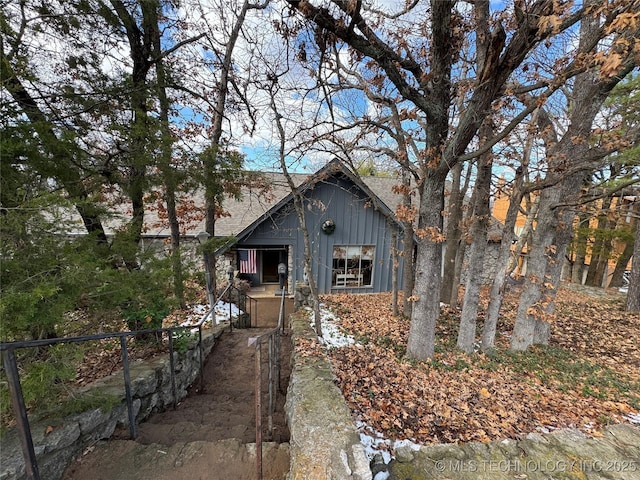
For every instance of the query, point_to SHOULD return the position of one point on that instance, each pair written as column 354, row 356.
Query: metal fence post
column 127, row 386
column 271, row 392
column 258, row 401
column 17, row 400
column 172, row 367
column 201, row 351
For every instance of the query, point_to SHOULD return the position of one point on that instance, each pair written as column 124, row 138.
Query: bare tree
column 479, row 230
column 214, row 188
column 299, row 205
column 553, row 229
column 499, row 283
column 422, row 74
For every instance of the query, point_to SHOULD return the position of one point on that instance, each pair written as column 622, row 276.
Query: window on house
column 352, row 265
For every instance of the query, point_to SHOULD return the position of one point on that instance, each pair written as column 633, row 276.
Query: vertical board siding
column 357, row 223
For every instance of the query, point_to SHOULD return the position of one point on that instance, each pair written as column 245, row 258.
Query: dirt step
column 210, row 433
column 168, row 434
column 223, row 459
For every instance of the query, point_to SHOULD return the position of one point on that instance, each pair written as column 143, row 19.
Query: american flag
column 248, row 262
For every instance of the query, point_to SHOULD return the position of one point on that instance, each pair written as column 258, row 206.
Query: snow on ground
column 374, row 442
column 221, row 310
column 633, row 418
column 332, row 334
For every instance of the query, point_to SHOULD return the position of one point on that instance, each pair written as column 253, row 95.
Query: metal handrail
column 273, row 338
column 15, row 389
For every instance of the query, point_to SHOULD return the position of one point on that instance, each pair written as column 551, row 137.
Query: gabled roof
column 255, row 205
column 252, row 206
column 335, row 168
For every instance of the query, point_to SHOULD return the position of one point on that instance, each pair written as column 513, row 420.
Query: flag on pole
column 248, row 261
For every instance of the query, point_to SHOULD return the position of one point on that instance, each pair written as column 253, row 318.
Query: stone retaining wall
column 58, row 441
column 324, row 444
column 564, row 454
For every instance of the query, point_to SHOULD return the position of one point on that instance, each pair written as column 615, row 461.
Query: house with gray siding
column 353, row 235
column 350, row 219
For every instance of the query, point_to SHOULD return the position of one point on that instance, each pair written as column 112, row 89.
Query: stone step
column 223, row 459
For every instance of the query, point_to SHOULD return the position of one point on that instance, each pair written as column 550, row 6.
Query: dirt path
column 211, row 433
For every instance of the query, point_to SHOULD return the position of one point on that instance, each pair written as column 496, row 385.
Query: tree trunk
column 555, row 261
column 461, row 250
column 633, row 295
column 212, row 202
column 531, row 305
column 593, row 261
column 140, row 134
column 176, row 255
column 426, row 308
column 408, row 247
column 580, row 248
column 298, row 203
column 500, row 280
column 621, row 265
column 601, row 247
column 481, row 215
column 452, row 243
column 169, row 174
column 461, row 255
column 525, row 235
column 551, row 239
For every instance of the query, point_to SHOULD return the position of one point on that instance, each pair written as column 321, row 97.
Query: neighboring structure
column 625, row 206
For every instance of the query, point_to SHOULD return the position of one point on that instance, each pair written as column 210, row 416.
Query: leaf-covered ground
column 587, row 377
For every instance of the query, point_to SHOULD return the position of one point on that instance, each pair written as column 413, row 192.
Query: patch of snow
column 407, row 443
column 633, row 418
column 382, row 476
column 332, row 334
column 375, row 443
column 221, row 311
column 225, row 311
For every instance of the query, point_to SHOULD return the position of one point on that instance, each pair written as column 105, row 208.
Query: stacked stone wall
column 324, row 444
column 57, row 441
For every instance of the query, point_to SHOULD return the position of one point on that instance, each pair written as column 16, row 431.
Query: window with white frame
column 352, row 265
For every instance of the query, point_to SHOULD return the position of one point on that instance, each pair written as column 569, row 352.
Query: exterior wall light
column 230, row 272
column 328, row 226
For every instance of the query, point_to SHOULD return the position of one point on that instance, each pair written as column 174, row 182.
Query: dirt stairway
column 211, row 433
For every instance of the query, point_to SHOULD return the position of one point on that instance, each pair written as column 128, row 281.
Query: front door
column 270, row 261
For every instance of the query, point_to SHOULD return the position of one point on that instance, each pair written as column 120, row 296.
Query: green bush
column 140, row 317
column 181, row 340
column 44, row 376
